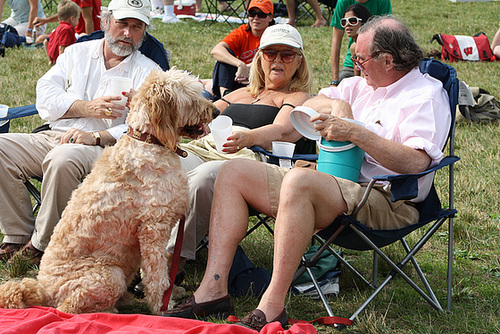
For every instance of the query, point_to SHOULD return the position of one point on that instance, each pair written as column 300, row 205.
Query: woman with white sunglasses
column 354, row 17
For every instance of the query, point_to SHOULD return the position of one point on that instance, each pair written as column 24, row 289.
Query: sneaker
column 170, row 19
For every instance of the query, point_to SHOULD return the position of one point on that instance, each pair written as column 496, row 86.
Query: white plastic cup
column 117, row 85
column 284, row 149
column 3, row 110
column 221, row 128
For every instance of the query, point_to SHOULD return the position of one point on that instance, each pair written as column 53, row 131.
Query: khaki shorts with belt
column 377, row 213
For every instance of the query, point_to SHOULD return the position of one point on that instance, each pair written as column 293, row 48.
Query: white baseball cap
column 281, row 34
column 135, row 9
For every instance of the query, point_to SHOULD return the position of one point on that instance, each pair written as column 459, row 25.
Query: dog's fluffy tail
column 28, row 292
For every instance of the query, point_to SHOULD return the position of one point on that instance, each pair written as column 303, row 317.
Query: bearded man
column 82, row 118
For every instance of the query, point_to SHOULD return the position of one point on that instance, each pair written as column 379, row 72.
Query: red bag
column 457, row 47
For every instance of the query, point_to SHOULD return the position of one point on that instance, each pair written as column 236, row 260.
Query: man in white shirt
column 82, row 120
column 407, row 119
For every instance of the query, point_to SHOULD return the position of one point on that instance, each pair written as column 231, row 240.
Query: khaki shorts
column 378, row 212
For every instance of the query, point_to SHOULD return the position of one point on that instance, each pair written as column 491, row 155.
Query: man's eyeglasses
column 359, row 63
column 287, row 56
column 353, row 20
column 260, row 15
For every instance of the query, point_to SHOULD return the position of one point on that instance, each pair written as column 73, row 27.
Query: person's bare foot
column 319, row 23
column 292, row 23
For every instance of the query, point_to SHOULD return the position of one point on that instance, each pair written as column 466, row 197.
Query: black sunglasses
column 260, row 15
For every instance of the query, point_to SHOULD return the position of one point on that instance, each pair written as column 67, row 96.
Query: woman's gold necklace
column 262, row 98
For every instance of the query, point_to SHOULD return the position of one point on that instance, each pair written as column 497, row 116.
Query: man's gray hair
column 393, row 36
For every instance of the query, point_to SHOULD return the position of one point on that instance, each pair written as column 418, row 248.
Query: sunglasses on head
column 259, row 14
column 353, row 20
column 287, row 56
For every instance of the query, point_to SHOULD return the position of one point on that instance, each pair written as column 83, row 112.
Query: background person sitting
column 63, row 36
column 23, row 14
column 235, row 52
column 280, row 80
column 81, row 120
column 89, row 20
column 406, row 125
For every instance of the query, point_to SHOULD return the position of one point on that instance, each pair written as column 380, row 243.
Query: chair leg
column 344, row 262
column 449, row 279
column 36, row 195
column 396, row 268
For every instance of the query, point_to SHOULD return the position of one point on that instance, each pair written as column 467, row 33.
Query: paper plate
column 300, row 117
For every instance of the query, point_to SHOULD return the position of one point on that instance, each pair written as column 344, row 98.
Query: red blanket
column 45, row 320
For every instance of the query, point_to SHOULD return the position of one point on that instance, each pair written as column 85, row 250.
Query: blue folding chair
column 348, row 233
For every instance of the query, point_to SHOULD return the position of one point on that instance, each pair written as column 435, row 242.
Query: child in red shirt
column 64, row 35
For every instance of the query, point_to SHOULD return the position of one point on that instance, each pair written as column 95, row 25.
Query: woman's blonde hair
column 301, row 80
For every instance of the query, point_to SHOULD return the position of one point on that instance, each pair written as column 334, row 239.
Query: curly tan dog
column 121, row 216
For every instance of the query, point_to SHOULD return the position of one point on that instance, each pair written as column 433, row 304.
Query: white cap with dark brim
column 130, row 9
column 281, row 34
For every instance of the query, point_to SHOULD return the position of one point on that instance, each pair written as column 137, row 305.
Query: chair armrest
column 19, row 112
column 296, row 156
column 405, row 186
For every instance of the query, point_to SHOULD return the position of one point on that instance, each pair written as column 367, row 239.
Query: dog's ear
column 164, row 116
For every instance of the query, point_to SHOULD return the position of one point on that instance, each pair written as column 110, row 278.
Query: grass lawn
column 476, row 284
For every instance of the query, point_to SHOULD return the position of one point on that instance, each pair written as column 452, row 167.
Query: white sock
column 169, row 10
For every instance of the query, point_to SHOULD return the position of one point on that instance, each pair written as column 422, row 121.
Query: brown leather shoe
column 32, row 253
column 256, row 320
column 7, row 250
column 188, row 308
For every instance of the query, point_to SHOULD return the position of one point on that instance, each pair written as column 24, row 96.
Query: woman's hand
column 243, row 74
column 129, row 96
column 75, row 136
column 237, row 141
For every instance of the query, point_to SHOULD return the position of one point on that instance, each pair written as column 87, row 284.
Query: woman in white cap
column 280, row 80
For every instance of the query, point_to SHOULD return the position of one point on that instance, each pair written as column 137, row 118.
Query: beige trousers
column 63, row 168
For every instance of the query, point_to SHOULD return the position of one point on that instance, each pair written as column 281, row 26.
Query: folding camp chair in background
column 232, row 14
column 348, row 233
column 151, row 48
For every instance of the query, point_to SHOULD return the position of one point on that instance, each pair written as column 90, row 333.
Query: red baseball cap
column 266, row 6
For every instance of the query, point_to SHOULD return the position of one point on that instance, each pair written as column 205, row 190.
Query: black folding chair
column 348, row 233
column 234, row 9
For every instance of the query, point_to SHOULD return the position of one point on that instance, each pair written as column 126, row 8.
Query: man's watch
column 97, row 136
column 334, row 83
column 29, row 30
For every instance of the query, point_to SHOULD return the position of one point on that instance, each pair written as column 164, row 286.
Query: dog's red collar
column 150, row 139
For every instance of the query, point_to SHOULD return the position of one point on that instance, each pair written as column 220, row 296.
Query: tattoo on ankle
column 216, row 277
